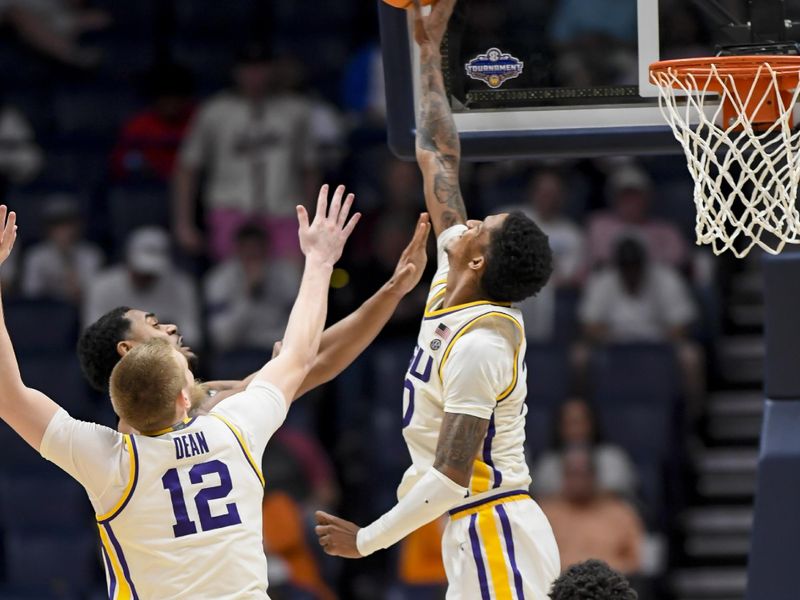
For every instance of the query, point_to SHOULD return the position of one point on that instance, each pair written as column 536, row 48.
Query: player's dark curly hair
column 519, row 261
column 97, row 347
column 592, row 580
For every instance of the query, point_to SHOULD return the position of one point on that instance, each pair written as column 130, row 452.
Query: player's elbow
column 13, row 393
column 460, row 474
column 426, row 158
column 299, row 360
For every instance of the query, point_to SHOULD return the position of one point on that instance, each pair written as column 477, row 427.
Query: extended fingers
column 348, row 203
column 422, row 231
column 322, row 202
column 336, row 205
column 302, row 217
column 352, row 224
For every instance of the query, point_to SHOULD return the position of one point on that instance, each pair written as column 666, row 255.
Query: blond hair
column 145, row 385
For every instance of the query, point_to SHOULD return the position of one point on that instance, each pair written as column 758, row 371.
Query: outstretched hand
column 337, row 536
column 431, row 29
column 8, row 222
column 324, row 238
column 412, row 262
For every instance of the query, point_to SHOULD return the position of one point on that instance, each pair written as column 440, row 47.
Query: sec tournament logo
column 495, row 67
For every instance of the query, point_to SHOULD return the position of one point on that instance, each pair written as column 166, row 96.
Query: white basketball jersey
column 190, row 523
column 179, row 510
column 491, row 384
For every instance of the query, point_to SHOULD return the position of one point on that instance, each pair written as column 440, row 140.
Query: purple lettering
column 178, row 449
column 201, row 439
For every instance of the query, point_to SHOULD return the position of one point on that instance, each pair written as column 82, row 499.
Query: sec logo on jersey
column 436, row 344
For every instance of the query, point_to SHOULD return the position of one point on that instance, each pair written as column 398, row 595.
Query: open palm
column 324, row 238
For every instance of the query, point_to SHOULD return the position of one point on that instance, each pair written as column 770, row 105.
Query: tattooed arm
column 438, row 145
column 460, row 439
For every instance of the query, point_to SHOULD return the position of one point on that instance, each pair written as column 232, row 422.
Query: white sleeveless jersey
column 469, row 359
column 188, row 523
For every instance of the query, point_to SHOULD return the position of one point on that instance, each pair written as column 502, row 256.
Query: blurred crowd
column 154, row 152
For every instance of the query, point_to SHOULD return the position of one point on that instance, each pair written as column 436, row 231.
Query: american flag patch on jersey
column 443, row 331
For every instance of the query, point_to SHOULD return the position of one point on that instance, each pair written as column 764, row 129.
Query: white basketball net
column 745, row 179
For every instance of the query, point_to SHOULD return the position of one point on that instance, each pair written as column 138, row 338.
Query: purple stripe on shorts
column 501, row 512
column 476, row 553
column 487, row 453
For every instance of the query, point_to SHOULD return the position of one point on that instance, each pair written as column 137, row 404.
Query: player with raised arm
column 179, row 506
column 464, row 404
column 106, row 341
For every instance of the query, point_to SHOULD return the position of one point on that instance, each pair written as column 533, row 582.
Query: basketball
column 407, row 3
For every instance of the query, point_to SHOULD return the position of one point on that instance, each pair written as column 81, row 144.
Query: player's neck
column 461, row 293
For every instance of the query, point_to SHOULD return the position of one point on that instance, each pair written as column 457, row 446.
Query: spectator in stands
column 52, row 27
column 20, row 156
column 590, row 524
column 327, row 129
column 249, row 296
column 64, row 264
column 576, row 426
column 546, row 199
column 635, row 299
column 257, row 149
column 147, row 279
column 149, row 142
column 629, row 190
column 639, row 300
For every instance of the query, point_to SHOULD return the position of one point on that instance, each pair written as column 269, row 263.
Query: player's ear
column 186, row 399
column 124, row 347
column 477, row 263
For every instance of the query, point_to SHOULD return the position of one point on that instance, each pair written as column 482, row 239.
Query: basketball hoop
column 733, row 117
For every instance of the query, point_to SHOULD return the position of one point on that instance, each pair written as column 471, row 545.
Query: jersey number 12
column 184, row 525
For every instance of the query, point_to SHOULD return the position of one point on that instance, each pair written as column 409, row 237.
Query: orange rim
column 748, row 68
column 764, row 84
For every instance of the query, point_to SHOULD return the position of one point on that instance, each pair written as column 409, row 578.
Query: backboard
column 545, row 78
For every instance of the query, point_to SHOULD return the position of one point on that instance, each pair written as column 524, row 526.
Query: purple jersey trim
column 487, row 453
column 118, row 549
column 112, row 579
column 133, row 487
